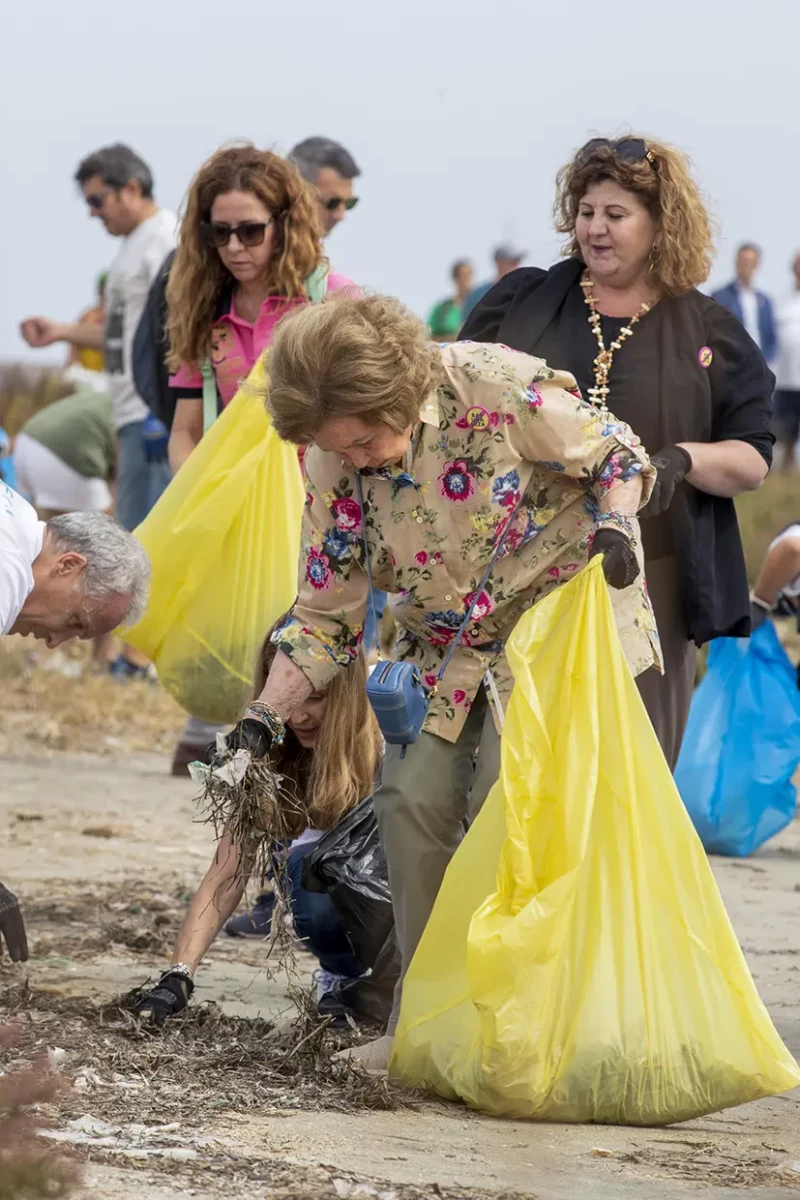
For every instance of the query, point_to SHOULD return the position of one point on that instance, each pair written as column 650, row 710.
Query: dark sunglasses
column 334, row 203
column 96, row 200
column 632, row 150
column 218, row 233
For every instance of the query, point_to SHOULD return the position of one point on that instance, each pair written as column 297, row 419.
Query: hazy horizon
column 458, row 120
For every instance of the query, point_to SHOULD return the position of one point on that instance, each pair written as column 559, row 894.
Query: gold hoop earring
column 654, row 257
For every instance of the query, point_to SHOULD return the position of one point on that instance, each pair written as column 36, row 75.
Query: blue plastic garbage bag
column 742, row 744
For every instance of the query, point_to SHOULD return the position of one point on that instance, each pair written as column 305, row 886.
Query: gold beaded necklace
column 602, row 364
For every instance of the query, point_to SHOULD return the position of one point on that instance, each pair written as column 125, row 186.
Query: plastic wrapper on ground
column 579, row 964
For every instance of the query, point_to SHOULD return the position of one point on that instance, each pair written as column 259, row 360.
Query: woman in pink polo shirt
column 249, row 252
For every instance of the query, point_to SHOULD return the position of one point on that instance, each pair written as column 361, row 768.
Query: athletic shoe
column 256, row 923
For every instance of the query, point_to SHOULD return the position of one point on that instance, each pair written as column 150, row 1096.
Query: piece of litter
column 356, row 1191
column 599, row 1152
column 87, row 1078
column 56, row 1057
column 99, row 831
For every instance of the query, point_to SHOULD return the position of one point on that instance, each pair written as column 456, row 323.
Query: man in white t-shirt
column 79, row 575
column 118, row 188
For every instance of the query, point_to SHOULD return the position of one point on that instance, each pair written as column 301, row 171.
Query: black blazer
column 711, row 559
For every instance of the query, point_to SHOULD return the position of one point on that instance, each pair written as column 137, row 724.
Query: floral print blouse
column 499, row 424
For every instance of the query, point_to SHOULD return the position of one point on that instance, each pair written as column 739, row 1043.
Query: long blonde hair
column 684, row 247
column 198, row 275
column 341, row 769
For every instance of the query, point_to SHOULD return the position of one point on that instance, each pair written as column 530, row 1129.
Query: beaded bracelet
column 621, row 521
column 180, row 969
column 267, row 715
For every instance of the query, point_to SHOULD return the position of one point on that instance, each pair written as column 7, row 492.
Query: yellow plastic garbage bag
column 579, row 964
column 224, row 542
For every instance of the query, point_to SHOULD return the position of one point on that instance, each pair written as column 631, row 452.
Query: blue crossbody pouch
column 399, row 698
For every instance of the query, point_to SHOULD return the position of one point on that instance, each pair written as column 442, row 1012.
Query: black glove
column 249, row 734
column 12, row 927
column 170, row 995
column 758, row 614
column 672, row 465
column 619, row 560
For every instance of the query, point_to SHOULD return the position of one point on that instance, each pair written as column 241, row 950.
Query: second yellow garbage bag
column 223, row 542
column 579, row 964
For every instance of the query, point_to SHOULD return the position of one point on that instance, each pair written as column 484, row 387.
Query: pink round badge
column 704, row 356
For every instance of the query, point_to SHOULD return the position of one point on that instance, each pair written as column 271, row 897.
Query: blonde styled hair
column 350, row 356
column 683, row 249
column 198, row 276
column 343, row 766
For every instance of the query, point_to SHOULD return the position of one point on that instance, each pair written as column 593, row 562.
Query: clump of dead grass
column 200, row 1062
column 80, row 710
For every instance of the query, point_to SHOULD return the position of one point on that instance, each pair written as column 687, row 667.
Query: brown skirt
column 667, row 697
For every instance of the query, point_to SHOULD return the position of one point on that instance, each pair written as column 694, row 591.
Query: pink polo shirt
column 236, row 344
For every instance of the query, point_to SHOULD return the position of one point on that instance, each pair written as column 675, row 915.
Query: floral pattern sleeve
column 555, row 428
column 323, row 631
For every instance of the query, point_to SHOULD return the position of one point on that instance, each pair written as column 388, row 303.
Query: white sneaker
column 326, row 982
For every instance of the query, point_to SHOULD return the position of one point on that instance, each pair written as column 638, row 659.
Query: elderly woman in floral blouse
column 446, row 440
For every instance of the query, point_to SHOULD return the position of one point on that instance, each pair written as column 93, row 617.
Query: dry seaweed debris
column 199, row 1062
column 258, row 808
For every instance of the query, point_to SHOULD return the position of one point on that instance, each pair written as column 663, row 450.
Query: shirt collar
column 429, row 413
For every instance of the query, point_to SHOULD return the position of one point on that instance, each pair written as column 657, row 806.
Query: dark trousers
column 316, row 921
column 667, row 697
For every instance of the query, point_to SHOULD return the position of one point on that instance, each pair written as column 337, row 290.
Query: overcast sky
column 459, row 113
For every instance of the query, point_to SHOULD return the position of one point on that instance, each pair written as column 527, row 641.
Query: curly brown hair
column 684, row 245
column 350, row 356
column 198, row 276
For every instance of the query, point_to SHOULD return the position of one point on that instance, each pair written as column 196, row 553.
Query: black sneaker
column 256, row 923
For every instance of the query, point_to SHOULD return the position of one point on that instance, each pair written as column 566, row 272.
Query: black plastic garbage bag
column 349, row 864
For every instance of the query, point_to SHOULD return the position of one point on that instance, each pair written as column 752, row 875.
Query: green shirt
column 445, row 319
column 80, row 431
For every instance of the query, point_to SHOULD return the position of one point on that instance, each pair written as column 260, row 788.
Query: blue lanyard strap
column 481, row 586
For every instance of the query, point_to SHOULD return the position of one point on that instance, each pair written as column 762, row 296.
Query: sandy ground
column 105, row 851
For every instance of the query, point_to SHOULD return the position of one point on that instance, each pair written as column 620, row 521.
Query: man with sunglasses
column 330, row 169
column 117, row 186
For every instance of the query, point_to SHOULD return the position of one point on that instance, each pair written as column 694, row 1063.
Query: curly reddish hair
column 198, row 276
column 684, row 246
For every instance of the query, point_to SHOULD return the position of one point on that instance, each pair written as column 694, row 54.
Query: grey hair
column 315, row 153
column 116, row 165
column 116, row 565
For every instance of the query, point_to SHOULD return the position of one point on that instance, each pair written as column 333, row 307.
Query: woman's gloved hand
column 672, row 465
column 170, row 995
column 620, row 565
column 12, row 927
column 259, row 730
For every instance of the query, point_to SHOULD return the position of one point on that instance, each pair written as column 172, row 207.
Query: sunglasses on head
column 334, row 203
column 219, row 233
column 632, row 150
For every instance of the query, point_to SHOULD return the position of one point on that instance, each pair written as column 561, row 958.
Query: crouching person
column 329, row 758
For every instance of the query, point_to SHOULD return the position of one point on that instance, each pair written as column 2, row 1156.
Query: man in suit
column 753, row 308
